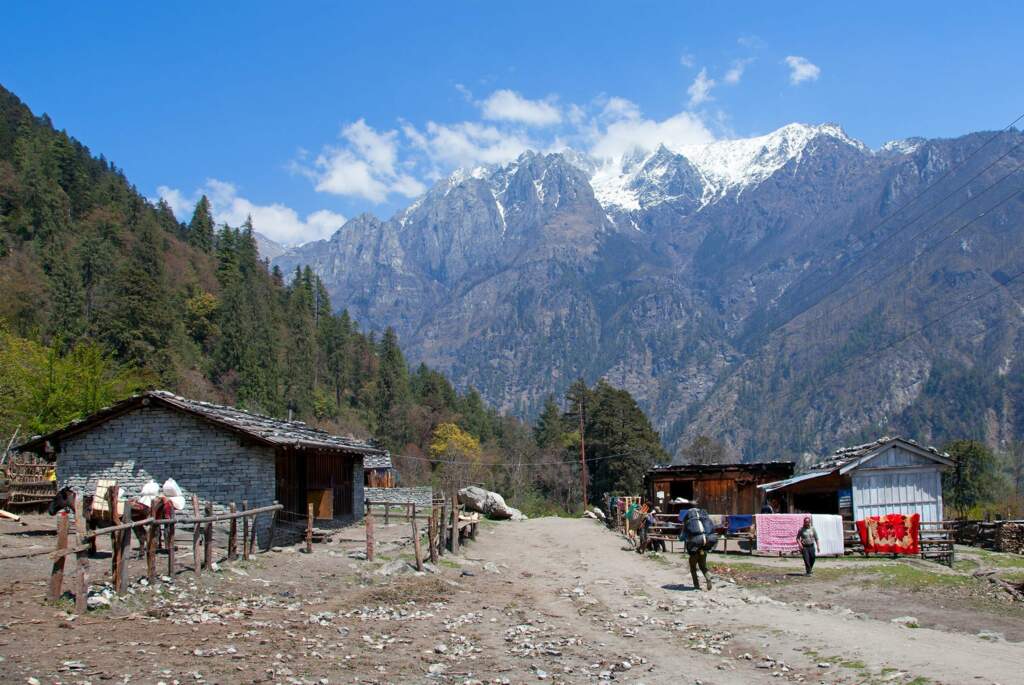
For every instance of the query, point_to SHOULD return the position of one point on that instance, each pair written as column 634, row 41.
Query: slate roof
column 845, row 455
column 849, row 456
column 263, row 429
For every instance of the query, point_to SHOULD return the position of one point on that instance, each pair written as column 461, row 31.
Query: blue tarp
column 740, row 521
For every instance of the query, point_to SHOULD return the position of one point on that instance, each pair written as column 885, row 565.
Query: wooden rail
column 445, row 527
column 150, row 530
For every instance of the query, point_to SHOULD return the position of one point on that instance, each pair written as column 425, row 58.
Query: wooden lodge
column 717, row 488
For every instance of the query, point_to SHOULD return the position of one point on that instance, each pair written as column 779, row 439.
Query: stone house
column 220, row 454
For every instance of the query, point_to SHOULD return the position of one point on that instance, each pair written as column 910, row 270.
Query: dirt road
column 548, row 600
column 563, row 554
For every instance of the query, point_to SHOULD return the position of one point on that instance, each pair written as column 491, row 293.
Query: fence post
column 81, row 560
column 416, row 545
column 369, row 537
column 208, row 538
column 273, row 526
column 170, row 540
column 197, row 566
column 57, row 573
column 455, row 521
column 309, row 528
column 442, row 527
column 431, row 541
column 245, row 531
column 154, row 532
column 113, row 494
column 232, row 534
column 126, row 546
column 252, row 535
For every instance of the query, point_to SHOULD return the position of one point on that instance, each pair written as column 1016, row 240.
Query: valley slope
column 763, row 291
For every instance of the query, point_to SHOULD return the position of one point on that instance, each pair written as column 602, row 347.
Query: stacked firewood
column 1009, row 537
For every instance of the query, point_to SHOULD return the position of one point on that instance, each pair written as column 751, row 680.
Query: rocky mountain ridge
column 670, row 272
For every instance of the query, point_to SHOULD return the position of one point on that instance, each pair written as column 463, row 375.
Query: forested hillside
column 105, row 293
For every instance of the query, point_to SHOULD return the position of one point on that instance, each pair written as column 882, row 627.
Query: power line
column 918, row 196
column 916, row 257
column 899, row 341
column 571, row 462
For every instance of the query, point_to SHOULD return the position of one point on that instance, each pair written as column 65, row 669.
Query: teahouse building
column 887, row 476
column 717, row 488
column 220, row 454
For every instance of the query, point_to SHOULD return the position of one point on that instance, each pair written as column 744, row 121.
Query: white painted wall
column 898, row 481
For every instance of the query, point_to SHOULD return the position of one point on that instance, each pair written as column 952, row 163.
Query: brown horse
column 65, row 500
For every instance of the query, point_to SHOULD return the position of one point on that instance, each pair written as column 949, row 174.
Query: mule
column 65, row 499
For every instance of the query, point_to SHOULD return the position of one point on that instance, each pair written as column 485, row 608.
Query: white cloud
column 508, row 105
column 276, row 221
column 687, row 60
column 366, row 167
column 466, row 144
column 800, row 70
column 623, row 129
column 735, row 73
column 700, row 90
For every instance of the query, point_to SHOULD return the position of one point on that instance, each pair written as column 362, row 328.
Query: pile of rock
column 490, row 504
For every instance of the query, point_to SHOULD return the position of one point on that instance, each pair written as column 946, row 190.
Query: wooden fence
column 150, row 530
column 447, row 525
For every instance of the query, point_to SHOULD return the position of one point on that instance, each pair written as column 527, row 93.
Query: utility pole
column 583, row 458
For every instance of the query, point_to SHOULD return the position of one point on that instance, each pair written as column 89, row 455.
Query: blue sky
column 305, row 113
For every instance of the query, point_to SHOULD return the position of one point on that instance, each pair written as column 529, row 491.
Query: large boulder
column 488, row 503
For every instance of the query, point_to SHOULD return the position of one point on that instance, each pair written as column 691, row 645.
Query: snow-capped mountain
column 668, row 271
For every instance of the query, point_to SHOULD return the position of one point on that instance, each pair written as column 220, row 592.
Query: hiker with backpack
column 699, row 537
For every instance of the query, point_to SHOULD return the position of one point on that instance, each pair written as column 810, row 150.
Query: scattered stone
column 908, row 621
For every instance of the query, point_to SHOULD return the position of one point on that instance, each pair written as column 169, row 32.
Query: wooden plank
column 57, row 572
column 113, row 493
column 322, row 502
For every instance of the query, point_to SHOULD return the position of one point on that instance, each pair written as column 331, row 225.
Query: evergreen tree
column 300, row 354
column 66, row 319
column 550, row 429
column 200, row 228
column 392, row 390
column 974, row 480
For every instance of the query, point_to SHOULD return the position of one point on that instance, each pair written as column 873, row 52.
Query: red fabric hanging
column 890, row 534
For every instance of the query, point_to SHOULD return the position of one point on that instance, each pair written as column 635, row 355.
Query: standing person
column 698, row 536
column 808, row 539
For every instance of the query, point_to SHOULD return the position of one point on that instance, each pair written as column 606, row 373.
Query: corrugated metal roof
column 264, row 429
column 770, row 487
column 847, row 458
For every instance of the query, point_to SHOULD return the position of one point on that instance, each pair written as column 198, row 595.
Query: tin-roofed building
column 221, row 454
column 891, row 475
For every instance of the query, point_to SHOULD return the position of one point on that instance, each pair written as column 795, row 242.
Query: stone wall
column 157, row 443
column 421, row 496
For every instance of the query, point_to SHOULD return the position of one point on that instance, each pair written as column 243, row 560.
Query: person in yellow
column 51, row 475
